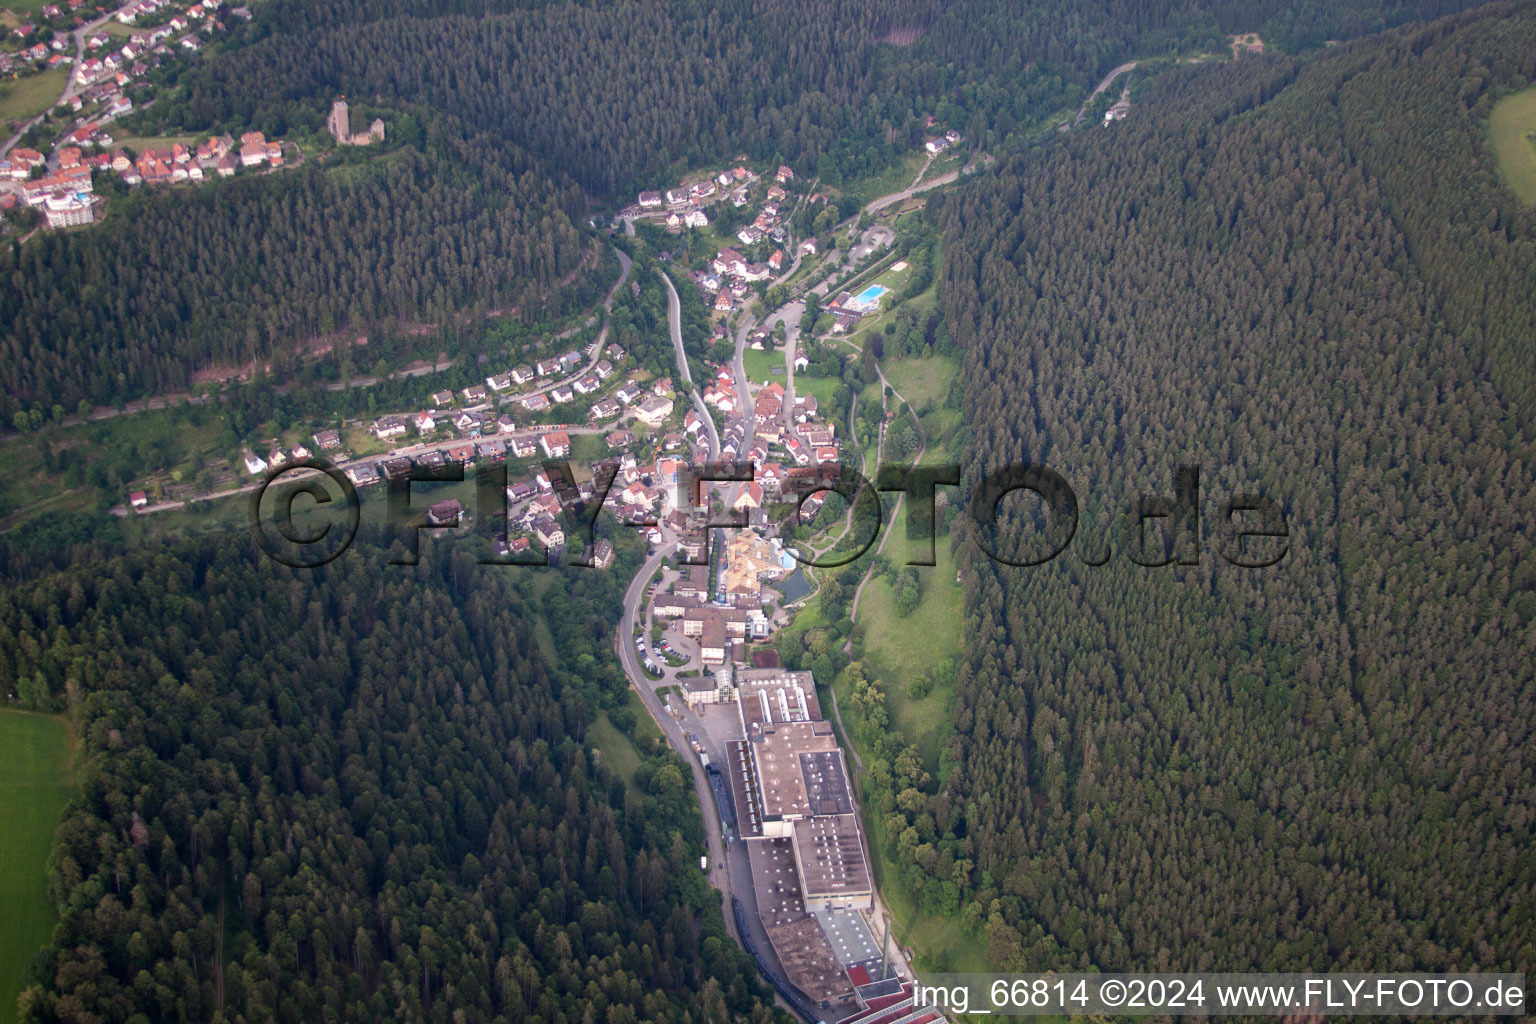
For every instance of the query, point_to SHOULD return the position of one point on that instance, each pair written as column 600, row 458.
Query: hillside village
column 649, row 438
column 105, row 86
column 706, row 626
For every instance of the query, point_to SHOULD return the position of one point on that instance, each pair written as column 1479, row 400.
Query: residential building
column 556, row 444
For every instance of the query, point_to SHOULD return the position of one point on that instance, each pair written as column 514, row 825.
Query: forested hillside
column 360, row 794
column 509, row 104
column 1307, row 280
column 261, row 268
column 614, row 94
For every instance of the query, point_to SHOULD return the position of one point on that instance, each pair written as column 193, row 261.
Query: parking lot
column 713, row 724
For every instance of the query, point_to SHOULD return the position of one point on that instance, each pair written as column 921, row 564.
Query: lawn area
column 587, row 449
column 900, row 648
column 35, row 784
column 944, row 163
column 925, row 383
column 761, row 364
column 1512, row 126
column 821, row 387
column 620, row 751
column 25, row 10
column 139, row 143
column 542, row 580
column 24, row 97
column 921, row 381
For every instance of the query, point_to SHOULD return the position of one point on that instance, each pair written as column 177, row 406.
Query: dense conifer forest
column 1308, row 281
column 360, row 794
column 365, row 793
column 509, row 104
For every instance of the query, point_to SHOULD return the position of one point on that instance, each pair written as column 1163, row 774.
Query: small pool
column 871, row 295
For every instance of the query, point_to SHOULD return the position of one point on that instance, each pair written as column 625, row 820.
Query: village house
column 387, row 427
column 446, row 513
column 654, row 410
column 556, row 444
column 602, row 553
column 549, row 533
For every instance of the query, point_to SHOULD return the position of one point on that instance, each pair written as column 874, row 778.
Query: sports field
column 35, row 785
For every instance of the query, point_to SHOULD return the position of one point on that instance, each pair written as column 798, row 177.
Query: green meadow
column 35, row 784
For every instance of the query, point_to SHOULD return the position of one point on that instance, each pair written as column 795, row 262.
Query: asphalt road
column 675, row 325
column 1105, row 84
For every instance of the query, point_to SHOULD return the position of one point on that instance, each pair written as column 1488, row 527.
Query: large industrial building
column 796, row 814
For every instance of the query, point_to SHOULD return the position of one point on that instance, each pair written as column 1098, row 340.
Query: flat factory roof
column 830, row 853
column 776, row 755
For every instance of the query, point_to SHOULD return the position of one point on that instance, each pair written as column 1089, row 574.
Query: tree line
column 360, row 793
column 1307, row 280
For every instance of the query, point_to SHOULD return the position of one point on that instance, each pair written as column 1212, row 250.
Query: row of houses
column 684, row 202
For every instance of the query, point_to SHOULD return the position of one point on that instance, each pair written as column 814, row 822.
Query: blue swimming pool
column 871, row 295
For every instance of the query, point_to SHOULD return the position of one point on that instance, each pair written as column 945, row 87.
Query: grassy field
column 760, row 365
column 138, row 143
column 899, row 649
column 1512, row 124
column 34, row 787
column 895, row 178
column 24, row 97
column 621, row 752
column 921, row 381
column 25, row 10
column 925, row 383
column 821, row 387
